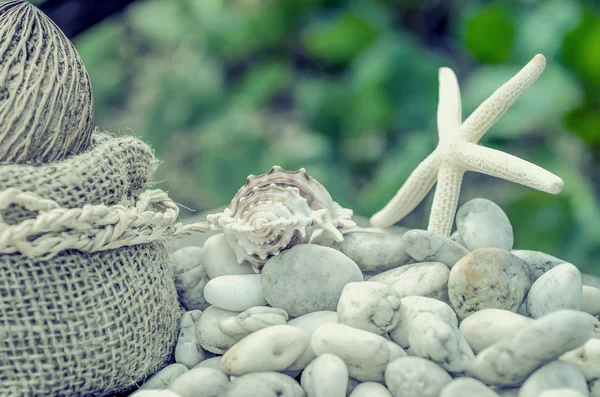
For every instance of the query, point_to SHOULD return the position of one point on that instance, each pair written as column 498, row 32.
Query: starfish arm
column 503, row 165
column 449, row 105
column 414, row 190
column 503, row 98
column 445, row 200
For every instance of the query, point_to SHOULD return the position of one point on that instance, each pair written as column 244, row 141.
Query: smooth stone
column 467, row 387
column 554, row 375
column 205, row 382
column 190, row 277
column 366, row 354
column 561, row 393
column 188, row 350
column 270, row 349
column 432, row 333
column 457, row 238
column 370, row 306
column 488, row 326
column 594, row 387
column 263, row 384
column 539, row 262
column 236, row 293
column 482, row 224
column 412, row 305
column 586, row 358
column 325, row 376
column 370, row 389
column 220, row 259
column 558, row 288
column 307, row 278
column 488, row 278
column 508, row 391
column 373, row 251
column 310, row 323
column 252, row 320
column 428, row 279
column 415, row 377
column 353, row 384
column 213, row 362
column 155, row 393
column 510, row 361
column 590, row 300
column 165, row 376
column 210, row 337
column 426, row 246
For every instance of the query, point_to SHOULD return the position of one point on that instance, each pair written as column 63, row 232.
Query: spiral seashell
column 46, row 104
column 277, row 210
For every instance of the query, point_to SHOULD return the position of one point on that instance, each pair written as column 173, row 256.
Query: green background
column 348, row 90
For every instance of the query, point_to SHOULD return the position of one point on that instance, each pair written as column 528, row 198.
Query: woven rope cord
column 91, row 228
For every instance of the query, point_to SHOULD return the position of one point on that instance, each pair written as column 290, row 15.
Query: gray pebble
column 263, row 384
column 210, row 337
column 415, row 377
column 190, row 277
column 457, row 238
column 426, row 246
column 539, row 262
column 482, row 224
column 558, row 288
column 205, row 382
column 554, row 375
column 307, row 278
column 467, row 387
column 373, row 251
column 488, row 278
column 188, row 350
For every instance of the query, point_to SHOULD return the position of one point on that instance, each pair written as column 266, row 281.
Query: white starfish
column 458, row 152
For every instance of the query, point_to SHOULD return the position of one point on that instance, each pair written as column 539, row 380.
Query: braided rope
column 91, row 228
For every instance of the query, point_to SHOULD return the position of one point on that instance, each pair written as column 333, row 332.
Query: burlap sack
column 88, row 321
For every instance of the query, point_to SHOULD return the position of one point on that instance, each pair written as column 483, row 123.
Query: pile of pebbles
column 384, row 313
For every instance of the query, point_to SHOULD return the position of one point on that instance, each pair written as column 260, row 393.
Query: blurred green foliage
column 348, row 90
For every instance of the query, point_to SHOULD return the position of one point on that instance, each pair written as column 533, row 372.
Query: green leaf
column 340, row 39
column 581, row 49
column 585, row 122
column 262, row 81
column 489, row 34
column 162, row 22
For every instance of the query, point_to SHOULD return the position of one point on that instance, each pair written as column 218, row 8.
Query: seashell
column 278, row 210
column 46, row 104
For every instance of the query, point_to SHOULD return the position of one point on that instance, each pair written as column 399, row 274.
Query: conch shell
column 277, row 210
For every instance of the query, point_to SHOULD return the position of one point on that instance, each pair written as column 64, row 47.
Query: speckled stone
column 415, row 377
column 220, row 260
column 424, row 246
column 510, row 361
column 482, row 224
column 488, row 278
column 488, row 326
column 205, row 382
column 310, row 322
column 370, row 306
column 366, row 354
column 307, row 278
column 190, row 277
column 325, row 376
column 428, row 279
column 263, row 384
column 373, row 251
column 554, row 375
column 558, row 288
column 539, row 262
column 467, row 387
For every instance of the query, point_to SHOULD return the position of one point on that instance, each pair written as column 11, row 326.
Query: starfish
column 458, row 151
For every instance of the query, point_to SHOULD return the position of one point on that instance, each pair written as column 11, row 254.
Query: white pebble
column 554, row 375
column 586, row 358
column 370, row 389
column 425, row 246
column 467, row 387
column 205, row 382
column 263, row 384
column 270, row 349
column 235, row 293
column 310, row 323
column 370, row 306
column 561, row 393
column 415, row 377
column 366, row 354
column 188, row 350
column 220, row 259
column 558, row 288
column 510, row 361
column 165, row 376
column 428, row 279
column 211, row 338
column 325, row 376
column 488, row 326
column 590, row 301
column 252, row 320
column 482, row 224
column 213, row 362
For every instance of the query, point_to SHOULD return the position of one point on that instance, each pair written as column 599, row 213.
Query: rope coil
column 91, row 228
